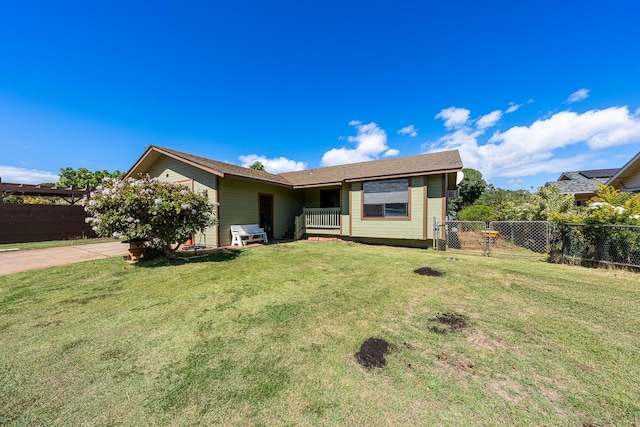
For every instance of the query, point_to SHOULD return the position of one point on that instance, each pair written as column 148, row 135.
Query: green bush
column 476, row 213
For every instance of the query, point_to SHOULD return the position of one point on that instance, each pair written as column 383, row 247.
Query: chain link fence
column 579, row 243
column 527, row 239
column 595, row 244
column 523, row 238
column 467, row 235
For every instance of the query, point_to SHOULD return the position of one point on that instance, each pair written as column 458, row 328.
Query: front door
column 265, row 208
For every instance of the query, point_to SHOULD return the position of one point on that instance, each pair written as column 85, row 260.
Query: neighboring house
column 582, row 184
column 627, row 178
column 392, row 201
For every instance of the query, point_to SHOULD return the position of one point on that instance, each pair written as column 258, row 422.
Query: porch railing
column 322, row 218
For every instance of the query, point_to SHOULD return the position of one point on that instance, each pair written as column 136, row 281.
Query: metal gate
column 527, row 239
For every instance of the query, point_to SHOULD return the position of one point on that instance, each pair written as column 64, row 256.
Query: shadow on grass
column 218, row 256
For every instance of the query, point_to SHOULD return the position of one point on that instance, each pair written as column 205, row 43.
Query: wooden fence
column 21, row 223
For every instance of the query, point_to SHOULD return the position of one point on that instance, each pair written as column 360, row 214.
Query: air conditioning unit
column 452, row 194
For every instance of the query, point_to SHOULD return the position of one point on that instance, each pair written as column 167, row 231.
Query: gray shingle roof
column 577, row 186
column 422, row 164
column 582, row 182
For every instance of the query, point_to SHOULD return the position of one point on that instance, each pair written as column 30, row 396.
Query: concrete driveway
column 25, row 260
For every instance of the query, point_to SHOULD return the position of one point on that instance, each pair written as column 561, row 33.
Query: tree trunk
column 169, row 252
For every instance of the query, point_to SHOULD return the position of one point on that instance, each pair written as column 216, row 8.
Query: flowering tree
column 163, row 213
column 609, row 206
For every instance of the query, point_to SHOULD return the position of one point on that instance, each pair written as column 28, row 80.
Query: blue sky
column 525, row 90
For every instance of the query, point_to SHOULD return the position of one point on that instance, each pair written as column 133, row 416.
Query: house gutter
column 404, row 175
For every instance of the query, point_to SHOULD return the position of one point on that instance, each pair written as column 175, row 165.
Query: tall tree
column 470, row 189
column 508, row 205
column 494, row 196
column 83, row 177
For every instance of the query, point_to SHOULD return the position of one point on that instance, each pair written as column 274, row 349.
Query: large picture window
column 386, row 199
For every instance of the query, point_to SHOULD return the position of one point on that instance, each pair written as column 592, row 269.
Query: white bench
column 247, row 233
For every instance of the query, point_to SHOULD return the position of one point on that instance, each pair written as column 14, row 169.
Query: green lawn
column 52, row 244
column 267, row 335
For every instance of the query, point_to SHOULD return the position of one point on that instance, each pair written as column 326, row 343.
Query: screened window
column 386, row 199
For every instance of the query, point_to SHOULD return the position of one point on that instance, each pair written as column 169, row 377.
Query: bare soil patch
column 445, row 323
column 371, row 354
column 428, row 271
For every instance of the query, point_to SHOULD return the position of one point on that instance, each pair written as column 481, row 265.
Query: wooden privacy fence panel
column 21, row 223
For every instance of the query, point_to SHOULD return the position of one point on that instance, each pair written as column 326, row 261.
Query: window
column 386, row 199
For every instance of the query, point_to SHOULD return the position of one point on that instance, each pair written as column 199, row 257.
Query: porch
column 325, row 221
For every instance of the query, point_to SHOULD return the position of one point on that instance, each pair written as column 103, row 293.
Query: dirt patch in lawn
column 371, row 354
column 445, row 323
column 428, row 271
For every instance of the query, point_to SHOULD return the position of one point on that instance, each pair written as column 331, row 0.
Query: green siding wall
column 168, row 169
column 412, row 228
column 239, row 202
column 345, row 229
column 435, row 202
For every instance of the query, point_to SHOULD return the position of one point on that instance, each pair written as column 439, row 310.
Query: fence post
column 563, row 232
column 435, row 231
column 486, row 240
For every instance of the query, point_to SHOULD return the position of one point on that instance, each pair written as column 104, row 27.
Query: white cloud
column 528, row 150
column 16, row 175
column 489, row 120
column 578, row 95
column 371, row 142
column 454, row 117
column 598, row 128
column 391, row 152
column 513, row 107
column 408, row 130
column 275, row 165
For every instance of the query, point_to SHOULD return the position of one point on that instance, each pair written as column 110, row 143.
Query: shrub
column 163, row 213
column 476, row 213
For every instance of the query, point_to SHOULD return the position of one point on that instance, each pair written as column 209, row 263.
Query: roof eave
column 153, row 148
column 623, row 169
column 265, row 181
column 322, row 184
column 403, row 175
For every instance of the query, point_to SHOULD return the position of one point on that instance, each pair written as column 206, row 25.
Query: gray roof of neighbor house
column 599, row 173
column 576, row 186
column 582, row 182
column 602, row 175
column 422, row 164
